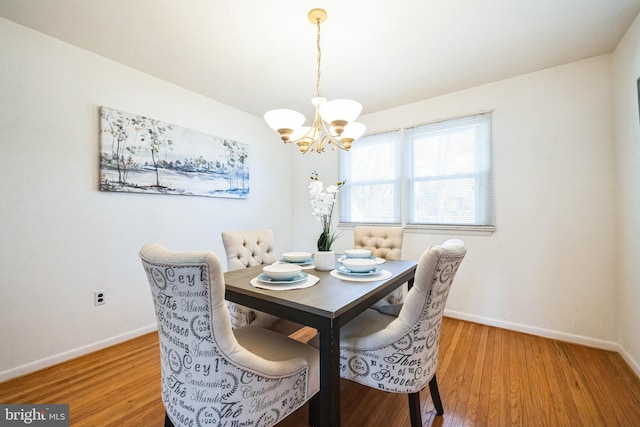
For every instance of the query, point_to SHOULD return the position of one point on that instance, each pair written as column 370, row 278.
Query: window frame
column 404, row 144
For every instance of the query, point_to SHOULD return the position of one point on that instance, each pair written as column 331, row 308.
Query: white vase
column 324, row 260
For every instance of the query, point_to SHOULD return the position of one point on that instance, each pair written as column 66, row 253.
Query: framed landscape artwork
column 143, row 155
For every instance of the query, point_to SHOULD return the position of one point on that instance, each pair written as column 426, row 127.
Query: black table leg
column 329, row 399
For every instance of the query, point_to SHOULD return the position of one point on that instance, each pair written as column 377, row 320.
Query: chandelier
column 333, row 124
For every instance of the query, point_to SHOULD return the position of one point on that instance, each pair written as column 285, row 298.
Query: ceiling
column 256, row 55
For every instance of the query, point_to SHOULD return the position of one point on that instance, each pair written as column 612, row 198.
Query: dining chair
column 250, row 248
column 400, row 354
column 212, row 374
column 386, row 243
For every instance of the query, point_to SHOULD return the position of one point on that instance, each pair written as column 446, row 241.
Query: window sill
column 469, row 230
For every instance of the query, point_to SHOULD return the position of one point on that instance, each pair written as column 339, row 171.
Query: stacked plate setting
column 299, row 258
column 359, row 266
column 282, row 273
column 357, row 253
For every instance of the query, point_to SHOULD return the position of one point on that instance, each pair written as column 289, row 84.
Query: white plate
column 344, row 270
column 301, row 263
column 309, row 266
column 297, row 279
column 378, row 260
column 307, row 283
column 382, row 275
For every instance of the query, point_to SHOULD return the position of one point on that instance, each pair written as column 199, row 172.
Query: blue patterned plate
column 378, row 260
column 302, row 263
column 343, row 270
column 297, row 279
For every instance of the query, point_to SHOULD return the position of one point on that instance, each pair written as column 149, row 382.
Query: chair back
column 383, row 242
column 248, row 248
column 204, row 379
column 245, row 249
column 424, row 304
column 402, row 357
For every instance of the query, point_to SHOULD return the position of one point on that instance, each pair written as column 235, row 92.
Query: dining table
column 326, row 306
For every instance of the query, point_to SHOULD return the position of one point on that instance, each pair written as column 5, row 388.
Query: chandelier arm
column 310, row 138
column 329, row 138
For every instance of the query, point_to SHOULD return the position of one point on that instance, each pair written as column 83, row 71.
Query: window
column 373, row 174
column 434, row 175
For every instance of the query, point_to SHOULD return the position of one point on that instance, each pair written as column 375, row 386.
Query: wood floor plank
column 456, row 385
column 539, row 386
column 487, row 376
column 515, row 398
column 565, row 406
column 495, row 378
column 484, row 395
column 473, row 400
column 583, row 397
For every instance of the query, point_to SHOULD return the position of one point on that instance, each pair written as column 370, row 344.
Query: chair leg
column 167, row 421
column 414, row 409
column 435, row 395
column 314, row 410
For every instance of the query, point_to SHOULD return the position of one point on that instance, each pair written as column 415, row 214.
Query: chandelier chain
column 319, row 57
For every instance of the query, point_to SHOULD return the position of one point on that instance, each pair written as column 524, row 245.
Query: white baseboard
column 547, row 333
column 632, row 363
column 533, row 330
column 71, row 354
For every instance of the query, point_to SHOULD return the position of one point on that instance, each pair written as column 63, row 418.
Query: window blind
column 450, row 172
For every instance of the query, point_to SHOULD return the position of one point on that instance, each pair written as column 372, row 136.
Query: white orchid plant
column 322, row 203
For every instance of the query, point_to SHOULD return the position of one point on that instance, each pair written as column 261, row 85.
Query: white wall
column 551, row 266
column 626, row 62
column 60, row 238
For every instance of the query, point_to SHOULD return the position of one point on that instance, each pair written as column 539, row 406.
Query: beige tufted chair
column 400, row 354
column 383, row 242
column 211, row 374
column 248, row 249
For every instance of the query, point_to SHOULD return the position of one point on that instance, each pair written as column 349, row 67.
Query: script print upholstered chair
column 213, row 375
column 400, row 354
column 383, row 242
column 245, row 249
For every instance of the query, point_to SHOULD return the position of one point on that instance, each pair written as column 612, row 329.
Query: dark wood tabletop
column 326, row 306
column 330, row 297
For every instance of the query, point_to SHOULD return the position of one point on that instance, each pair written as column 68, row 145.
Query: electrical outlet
column 98, row 298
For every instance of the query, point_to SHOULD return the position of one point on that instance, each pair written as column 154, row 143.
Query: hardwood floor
column 487, row 377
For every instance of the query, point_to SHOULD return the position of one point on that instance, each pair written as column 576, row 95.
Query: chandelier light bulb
column 340, row 109
column 353, row 131
column 284, row 121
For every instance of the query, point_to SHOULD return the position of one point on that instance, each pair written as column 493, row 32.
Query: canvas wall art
column 139, row 154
